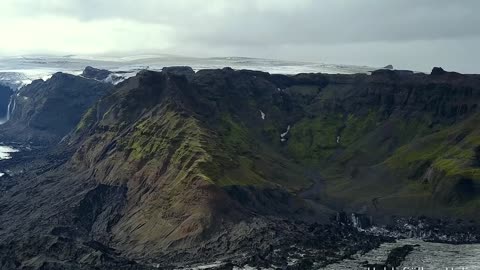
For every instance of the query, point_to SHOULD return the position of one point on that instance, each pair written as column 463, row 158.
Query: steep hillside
column 159, row 169
column 174, row 150
column 45, row 111
column 177, row 166
column 368, row 138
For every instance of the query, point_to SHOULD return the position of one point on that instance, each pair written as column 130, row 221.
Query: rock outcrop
column 95, row 73
column 180, row 71
column 45, row 111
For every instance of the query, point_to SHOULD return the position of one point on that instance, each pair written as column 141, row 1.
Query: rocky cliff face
column 5, row 95
column 180, row 166
column 387, row 142
column 352, row 133
column 45, row 111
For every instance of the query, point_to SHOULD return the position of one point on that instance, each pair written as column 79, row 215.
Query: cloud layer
column 408, row 34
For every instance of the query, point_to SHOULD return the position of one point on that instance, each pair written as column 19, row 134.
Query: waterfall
column 14, row 105
column 11, row 106
column 356, row 221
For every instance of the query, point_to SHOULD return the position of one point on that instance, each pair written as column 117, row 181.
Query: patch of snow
column 5, row 152
column 245, row 267
column 114, row 79
column 338, row 139
column 22, row 83
column 292, row 261
column 206, row 266
column 2, row 174
column 262, row 114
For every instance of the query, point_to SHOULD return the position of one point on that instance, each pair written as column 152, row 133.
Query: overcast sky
column 408, row 34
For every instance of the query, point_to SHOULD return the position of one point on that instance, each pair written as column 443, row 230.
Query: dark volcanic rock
column 395, row 258
column 45, row 111
column 175, row 167
column 398, row 255
column 392, row 74
column 438, row 71
column 446, row 230
column 5, row 95
column 180, row 71
column 96, row 74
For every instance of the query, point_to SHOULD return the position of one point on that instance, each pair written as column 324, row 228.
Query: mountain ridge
column 45, row 111
column 181, row 164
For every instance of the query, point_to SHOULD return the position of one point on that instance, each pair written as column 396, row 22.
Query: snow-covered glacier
column 18, row 71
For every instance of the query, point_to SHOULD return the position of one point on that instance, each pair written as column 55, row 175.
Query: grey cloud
column 248, row 22
column 294, row 29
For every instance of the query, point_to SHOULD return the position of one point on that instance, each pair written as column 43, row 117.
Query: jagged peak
column 392, row 73
column 438, row 71
column 95, row 73
column 62, row 75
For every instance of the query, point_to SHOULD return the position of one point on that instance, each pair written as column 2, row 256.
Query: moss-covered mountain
column 390, row 143
column 395, row 143
column 178, row 164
